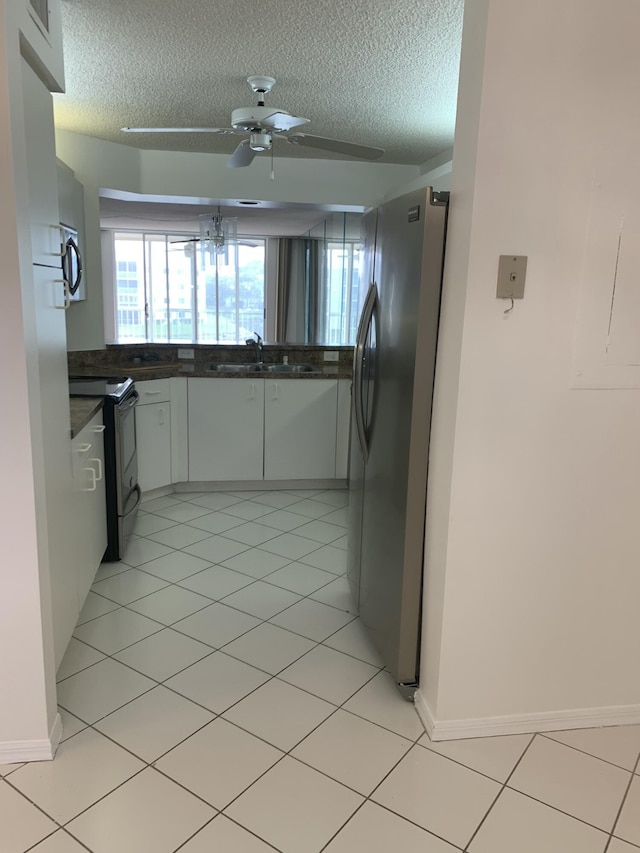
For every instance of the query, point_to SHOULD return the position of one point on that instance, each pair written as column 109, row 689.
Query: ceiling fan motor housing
column 251, row 118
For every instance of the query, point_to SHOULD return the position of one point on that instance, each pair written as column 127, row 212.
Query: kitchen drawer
column 154, row 391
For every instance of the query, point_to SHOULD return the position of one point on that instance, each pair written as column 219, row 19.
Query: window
column 164, row 292
column 341, row 291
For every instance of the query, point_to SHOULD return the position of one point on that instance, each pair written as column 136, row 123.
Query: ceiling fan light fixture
column 216, row 235
column 260, row 142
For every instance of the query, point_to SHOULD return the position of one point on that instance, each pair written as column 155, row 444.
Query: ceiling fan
column 262, row 125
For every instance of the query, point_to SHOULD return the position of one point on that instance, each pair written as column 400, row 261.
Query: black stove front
column 112, row 387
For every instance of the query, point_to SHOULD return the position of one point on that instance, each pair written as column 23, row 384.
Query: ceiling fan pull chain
column 273, row 177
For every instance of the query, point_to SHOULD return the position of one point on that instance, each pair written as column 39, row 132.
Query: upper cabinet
column 44, row 214
column 40, row 26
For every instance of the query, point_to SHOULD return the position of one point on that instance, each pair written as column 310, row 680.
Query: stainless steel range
column 121, row 464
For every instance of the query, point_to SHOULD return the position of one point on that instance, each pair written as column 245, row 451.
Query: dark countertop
column 161, row 361
column 167, row 371
column 82, row 409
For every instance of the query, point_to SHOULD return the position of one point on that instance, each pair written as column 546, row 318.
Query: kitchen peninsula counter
column 148, row 361
column 82, row 409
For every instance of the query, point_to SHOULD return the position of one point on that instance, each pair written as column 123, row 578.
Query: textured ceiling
column 371, row 71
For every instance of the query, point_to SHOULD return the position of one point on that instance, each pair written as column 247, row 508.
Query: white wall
column 27, row 682
column 533, row 541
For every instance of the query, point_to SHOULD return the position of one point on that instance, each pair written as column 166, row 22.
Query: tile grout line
column 549, row 736
column 622, row 804
column 497, row 797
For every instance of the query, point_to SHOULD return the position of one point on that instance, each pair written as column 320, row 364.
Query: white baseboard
column 544, row 721
column 19, row 751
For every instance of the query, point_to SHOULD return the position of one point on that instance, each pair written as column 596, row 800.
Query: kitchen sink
column 235, row 368
column 264, row 368
column 289, row 368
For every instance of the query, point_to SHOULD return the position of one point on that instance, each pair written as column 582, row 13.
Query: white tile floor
column 220, row 695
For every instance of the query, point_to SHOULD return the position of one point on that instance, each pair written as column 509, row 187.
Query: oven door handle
column 131, row 401
column 138, row 491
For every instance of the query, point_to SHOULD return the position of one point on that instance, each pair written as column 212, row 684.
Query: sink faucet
column 257, row 343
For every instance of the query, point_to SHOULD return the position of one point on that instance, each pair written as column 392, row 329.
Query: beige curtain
column 298, row 290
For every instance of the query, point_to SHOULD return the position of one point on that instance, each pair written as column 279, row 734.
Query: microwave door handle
column 72, row 248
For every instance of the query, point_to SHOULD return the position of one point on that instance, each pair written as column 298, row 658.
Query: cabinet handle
column 253, row 391
column 98, row 462
column 98, row 428
column 94, row 480
column 83, row 448
column 151, row 393
column 161, row 417
column 67, row 293
column 274, row 391
column 63, row 242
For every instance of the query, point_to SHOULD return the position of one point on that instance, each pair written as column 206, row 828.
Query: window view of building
column 166, row 290
column 341, row 292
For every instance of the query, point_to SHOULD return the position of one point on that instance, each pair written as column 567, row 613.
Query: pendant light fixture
column 216, row 235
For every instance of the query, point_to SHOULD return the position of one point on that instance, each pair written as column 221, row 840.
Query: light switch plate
column 512, row 271
column 186, row 353
column 331, row 355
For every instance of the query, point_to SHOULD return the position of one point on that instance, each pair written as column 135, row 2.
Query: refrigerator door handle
column 358, row 358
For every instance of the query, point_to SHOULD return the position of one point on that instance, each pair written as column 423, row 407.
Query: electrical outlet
column 330, row 355
column 186, row 353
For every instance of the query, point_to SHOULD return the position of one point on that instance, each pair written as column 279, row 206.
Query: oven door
column 126, row 457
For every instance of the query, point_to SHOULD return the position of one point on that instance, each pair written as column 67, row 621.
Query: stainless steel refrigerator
column 392, row 392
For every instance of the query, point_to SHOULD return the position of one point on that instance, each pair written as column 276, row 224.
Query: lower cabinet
column 300, row 429
column 226, row 424
column 153, row 442
column 90, row 514
column 153, row 434
column 227, row 430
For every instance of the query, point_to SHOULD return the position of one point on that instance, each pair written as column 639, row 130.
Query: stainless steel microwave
column 72, row 270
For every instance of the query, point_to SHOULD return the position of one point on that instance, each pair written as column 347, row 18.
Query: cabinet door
column 343, row 429
column 300, row 429
column 40, row 25
column 226, row 421
column 153, row 440
column 46, row 238
column 90, row 515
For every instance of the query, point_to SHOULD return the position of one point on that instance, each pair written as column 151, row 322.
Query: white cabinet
column 179, row 430
column 153, row 434
column 226, row 423
column 40, row 25
column 343, row 429
column 45, row 325
column 89, row 507
column 300, row 429
column 230, row 430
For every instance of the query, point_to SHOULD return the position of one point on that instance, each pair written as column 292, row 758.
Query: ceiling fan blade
column 337, row 146
column 177, row 130
column 186, row 240
column 283, row 121
column 242, row 156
